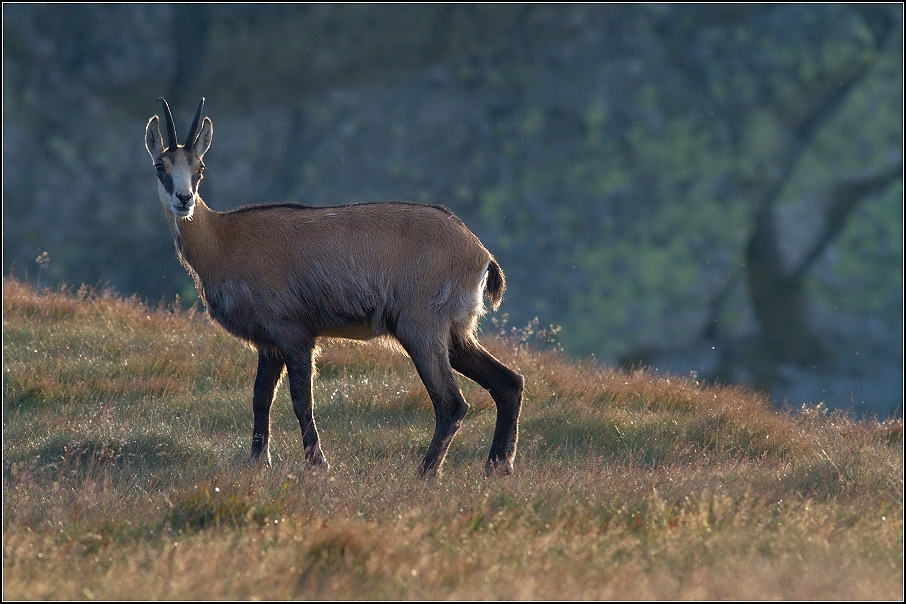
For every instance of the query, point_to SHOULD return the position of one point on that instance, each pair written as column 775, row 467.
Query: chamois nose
column 184, row 198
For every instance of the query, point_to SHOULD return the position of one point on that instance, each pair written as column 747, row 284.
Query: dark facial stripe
column 167, row 181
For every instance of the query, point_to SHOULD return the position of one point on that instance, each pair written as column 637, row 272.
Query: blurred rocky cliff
column 701, row 188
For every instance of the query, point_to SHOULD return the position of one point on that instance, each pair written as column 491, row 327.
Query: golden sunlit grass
column 126, row 431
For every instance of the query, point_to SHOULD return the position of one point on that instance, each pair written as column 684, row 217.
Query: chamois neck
column 197, row 239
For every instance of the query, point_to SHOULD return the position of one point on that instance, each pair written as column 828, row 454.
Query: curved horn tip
column 193, row 129
column 168, row 117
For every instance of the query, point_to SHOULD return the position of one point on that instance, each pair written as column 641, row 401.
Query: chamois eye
column 160, row 168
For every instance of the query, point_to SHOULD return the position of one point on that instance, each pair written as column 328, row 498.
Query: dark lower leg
column 449, row 412
column 299, row 369
column 270, row 370
column 505, row 387
column 449, row 406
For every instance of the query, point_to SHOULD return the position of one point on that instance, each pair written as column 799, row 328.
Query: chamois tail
column 495, row 284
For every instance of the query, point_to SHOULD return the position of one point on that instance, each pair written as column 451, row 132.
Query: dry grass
column 126, row 431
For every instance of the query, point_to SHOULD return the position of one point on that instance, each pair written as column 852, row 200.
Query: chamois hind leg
column 270, row 370
column 433, row 365
column 300, row 365
column 469, row 357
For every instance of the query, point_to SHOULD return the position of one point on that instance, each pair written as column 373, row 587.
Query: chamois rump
column 281, row 276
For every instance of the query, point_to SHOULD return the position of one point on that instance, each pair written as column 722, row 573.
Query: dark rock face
column 708, row 188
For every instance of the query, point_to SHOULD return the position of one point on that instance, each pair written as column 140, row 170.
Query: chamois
column 281, row 276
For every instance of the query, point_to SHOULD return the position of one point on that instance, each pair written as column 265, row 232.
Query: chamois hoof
column 498, row 468
column 260, row 459
column 316, row 460
column 426, row 470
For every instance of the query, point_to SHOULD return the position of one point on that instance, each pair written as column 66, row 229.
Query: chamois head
column 179, row 167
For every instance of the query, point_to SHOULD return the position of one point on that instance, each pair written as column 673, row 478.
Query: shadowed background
column 700, row 188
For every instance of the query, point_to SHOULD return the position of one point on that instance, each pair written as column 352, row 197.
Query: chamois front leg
column 270, row 370
column 299, row 366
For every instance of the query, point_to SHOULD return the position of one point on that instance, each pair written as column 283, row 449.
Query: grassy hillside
column 126, row 431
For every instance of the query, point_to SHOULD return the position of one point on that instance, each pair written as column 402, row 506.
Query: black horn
column 193, row 131
column 171, row 129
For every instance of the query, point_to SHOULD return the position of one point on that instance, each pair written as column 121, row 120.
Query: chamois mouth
column 182, row 210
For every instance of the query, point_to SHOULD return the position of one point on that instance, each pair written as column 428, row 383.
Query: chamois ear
column 152, row 138
column 203, row 143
